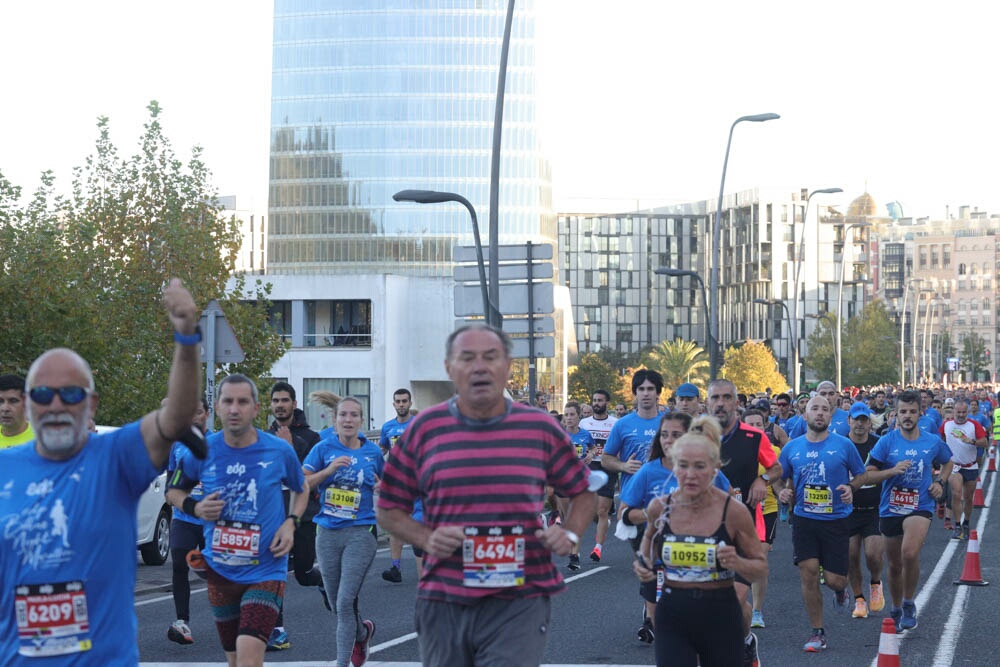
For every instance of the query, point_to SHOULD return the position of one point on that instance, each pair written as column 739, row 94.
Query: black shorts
column 770, row 526
column 892, row 526
column 863, row 522
column 608, row 490
column 827, row 541
column 968, row 474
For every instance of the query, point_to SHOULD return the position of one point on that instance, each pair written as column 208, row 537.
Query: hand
column 786, row 496
column 554, row 539
column 283, row 540
column 339, row 462
column 936, row 490
column 444, row 541
column 632, row 465
column 180, row 307
column 902, row 466
column 757, row 491
column 846, row 493
column 210, row 507
column 728, row 558
column 642, row 569
column 284, row 433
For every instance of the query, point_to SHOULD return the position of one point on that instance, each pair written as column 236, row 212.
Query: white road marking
column 166, row 597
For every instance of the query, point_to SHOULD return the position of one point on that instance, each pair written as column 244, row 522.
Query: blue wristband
column 188, row 339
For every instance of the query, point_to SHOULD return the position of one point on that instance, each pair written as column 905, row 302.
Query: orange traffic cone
column 971, row 576
column 993, row 459
column 977, row 498
column 888, row 645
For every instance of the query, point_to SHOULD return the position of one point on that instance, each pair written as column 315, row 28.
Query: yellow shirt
column 9, row 441
column 770, row 500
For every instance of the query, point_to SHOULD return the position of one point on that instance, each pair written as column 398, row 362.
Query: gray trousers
column 489, row 633
column 344, row 555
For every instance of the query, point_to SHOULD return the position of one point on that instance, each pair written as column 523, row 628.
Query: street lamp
column 717, row 242
column 682, row 273
column 799, row 255
column 840, row 296
column 490, row 310
column 915, row 282
column 793, row 359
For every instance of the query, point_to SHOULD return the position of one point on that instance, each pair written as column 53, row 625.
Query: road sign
column 545, row 346
column 539, row 271
column 219, row 333
column 953, row 363
column 519, row 325
column 513, row 299
column 505, row 253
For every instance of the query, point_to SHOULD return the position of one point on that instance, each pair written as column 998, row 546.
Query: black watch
column 295, row 519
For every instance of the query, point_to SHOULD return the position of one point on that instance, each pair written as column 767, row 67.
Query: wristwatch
column 766, row 478
column 295, row 519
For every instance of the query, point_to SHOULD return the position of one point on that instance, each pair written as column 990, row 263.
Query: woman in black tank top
column 703, row 540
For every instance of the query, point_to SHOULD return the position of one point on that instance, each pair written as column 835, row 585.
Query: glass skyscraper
column 370, row 97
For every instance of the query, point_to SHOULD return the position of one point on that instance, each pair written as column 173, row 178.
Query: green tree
column 679, row 361
column 752, row 368
column 871, row 347
column 86, row 271
column 974, row 357
column 822, row 353
column 590, row 374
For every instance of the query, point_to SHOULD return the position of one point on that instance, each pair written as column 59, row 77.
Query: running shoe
column 860, row 608
column 896, row 614
column 816, row 643
column 909, row 619
column 180, row 632
column 757, row 621
column 278, row 641
column 878, row 598
column 957, row 535
column 360, row 654
column 645, row 633
column 965, row 531
column 393, row 574
column 840, row 599
column 595, row 555
column 750, row 656
column 574, row 562
column 947, row 524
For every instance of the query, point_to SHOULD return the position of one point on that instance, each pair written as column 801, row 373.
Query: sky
column 636, row 97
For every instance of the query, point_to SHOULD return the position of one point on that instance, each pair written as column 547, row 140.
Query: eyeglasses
column 782, row 405
column 68, row 395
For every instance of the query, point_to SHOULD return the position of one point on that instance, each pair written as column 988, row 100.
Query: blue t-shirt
column 67, row 550
column 346, row 495
column 631, row 437
column 582, row 441
column 795, row 426
column 984, row 421
column 905, row 494
column 839, row 423
column 934, row 414
column 391, row 430
column 197, row 493
column 328, row 432
column 654, row 479
column 817, row 469
column 249, row 480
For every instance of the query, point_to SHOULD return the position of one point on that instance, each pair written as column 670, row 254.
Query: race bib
column 235, row 543
column 903, row 501
column 598, row 452
column 737, row 493
column 691, row 559
column 493, row 557
column 341, row 503
column 52, row 619
column 688, row 554
column 817, row 499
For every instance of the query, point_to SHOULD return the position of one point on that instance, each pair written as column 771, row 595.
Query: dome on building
column 862, row 206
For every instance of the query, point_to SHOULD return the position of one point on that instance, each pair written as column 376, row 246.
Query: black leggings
column 693, row 623
column 184, row 536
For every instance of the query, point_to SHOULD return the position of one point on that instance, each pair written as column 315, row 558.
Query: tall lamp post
column 915, row 282
column 717, row 242
column 490, row 310
column 793, row 357
column 682, row 273
column 840, row 299
column 799, row 256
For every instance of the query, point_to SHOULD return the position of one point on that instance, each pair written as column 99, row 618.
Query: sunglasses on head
column 68, row 395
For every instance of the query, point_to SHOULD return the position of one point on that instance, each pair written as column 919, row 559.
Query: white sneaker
column 180, row 632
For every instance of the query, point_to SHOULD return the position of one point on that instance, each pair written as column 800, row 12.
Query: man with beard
column 402, row 401
column 963, row 437
column 880, row 413
column 291, row 426
column 599, row 426
column 907, row 501
column 743, row 449
column 68, row 506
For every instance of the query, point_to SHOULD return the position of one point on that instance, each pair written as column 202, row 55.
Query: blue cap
column 860, row 409
column 687, row 390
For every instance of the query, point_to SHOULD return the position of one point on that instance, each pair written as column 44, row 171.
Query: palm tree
column 679, row 361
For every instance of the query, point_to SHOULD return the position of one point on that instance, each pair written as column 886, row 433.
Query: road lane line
column 166, row 597
column 948, row 644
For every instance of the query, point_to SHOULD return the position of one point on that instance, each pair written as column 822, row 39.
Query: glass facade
column 373, row 97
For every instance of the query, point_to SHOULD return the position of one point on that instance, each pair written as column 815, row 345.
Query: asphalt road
column 595, row 620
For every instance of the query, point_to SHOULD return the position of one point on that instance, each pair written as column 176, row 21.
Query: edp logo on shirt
column 236, row 469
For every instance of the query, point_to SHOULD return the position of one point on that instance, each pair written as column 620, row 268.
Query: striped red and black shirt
column 482, row 473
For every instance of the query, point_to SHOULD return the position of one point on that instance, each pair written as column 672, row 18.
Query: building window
column 945, row 256
column 922, row 252
column 338, row 323
column 320, row 416
column 279, row 318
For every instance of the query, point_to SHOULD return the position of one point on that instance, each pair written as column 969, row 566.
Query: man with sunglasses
column 68, row 504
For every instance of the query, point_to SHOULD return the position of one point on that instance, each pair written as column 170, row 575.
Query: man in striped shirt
column 480, row 463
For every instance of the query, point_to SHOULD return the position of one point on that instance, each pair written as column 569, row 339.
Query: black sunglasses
column 68, row 395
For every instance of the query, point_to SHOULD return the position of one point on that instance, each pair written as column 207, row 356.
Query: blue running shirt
column 904, row 494
column 632, row 436
column 654, row 479
column 346, row 496
column 817, row 469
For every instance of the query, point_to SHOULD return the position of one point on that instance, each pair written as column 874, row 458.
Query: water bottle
column 783, row 512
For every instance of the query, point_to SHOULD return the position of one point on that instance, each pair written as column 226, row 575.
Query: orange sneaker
column 878, row 598
column 860, row 608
